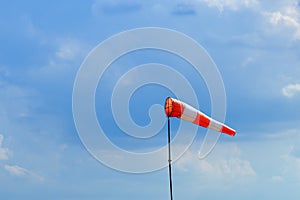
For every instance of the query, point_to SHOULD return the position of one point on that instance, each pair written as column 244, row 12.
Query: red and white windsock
column 176, row 108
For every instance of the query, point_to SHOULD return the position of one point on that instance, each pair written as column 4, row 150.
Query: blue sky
column 256, row 46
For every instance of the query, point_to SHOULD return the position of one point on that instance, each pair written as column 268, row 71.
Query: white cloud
column 68, row 50
column 18, row 171
column 277, row 179
column 29, row 28
column 277, row 17
column 291, row 90
column 3, row 151
column 4, row 72
column 230, row 4
column 16, row 102
column 288, row 17
column 229, row 166
column 291, row 169
column 283, row 152
column 64, row 60
column 248, row 61
column 115, row 6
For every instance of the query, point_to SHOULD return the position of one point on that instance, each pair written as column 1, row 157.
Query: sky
column 256, row 47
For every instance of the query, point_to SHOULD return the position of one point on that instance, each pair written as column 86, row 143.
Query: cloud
column 16, row 103
column 217, row 166
column 4, row 73
column 29, row 28
column 3, row 151
column 291, row 168
column 230, row 4
column 295, row 150
column 62, row 62
column 291, row 90
column 248, row 61
column 288, row 17
column 116, row 6
column 68, row 50
column 277, row 179
column 283, row 152
column 18, row 171
column 184, row 9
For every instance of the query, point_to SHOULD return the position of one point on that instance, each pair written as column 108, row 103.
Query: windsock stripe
column 215, row 125
column 228, row 130
column 189, row 113
column 202, row 120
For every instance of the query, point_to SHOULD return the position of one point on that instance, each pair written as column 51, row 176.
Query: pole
column 170, row 161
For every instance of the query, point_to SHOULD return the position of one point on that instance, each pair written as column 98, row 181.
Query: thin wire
column 170, row 161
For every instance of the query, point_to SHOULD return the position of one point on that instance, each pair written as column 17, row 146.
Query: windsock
column 176, row 108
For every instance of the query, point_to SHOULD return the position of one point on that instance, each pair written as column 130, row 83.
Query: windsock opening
column 173, row 108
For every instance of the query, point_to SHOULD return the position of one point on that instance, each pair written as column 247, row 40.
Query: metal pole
column 170, row 161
